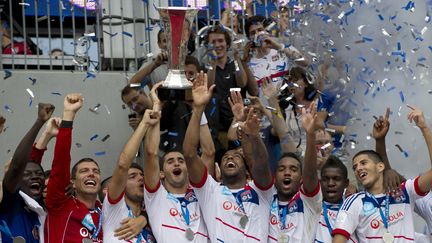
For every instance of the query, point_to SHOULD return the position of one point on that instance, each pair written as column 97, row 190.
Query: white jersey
column 323, row 232
column 360, row 215
column 234, row 215
column 114, row 211
column 423, row 207
column 301, row 217
column 168, row 216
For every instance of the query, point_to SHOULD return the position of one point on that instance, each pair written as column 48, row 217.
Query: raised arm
column 119, row 177
column 23, row 151
column 50, row 132
column 240, row 74
column 146, row 70
column 208, row 149
column 151, row 146
column 60, row 171
column 310, row 176
column 255, row 150
column 416, row 115
column 392, row 179
column 201, row 96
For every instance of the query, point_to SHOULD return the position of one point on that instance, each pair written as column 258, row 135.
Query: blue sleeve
column 326, row 102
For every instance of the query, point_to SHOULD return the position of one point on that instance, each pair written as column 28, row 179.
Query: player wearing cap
column 125, row 192
column 236, row 210
column 75, row 219
column 334, row 181
column 172, row 206
column 296, row 206
column 377, row 214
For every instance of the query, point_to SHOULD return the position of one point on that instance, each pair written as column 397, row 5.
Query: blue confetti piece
column 354, row 135
column 333, row 50
column 127, row 33
column 8, row 109
column 100, row 153
column 8, row 74
column 430, row 48
column 366, row 109
column 421, row 59
column 380, row 17
column 399, row 46
column 237, row 143
column 212, row 112
column 30, row 101
column 351, row 11
column 401, row 95
column 214, row 101
column 173, row 134
column 352, row 102
column 89, row 75
column 346, row 67
column 391, row 88
column 56, row 93
column 409, row 5
column 366, row 91
column 367, row 39
column 362, row 58
column 94, row 137
column 405, row 154
column 398, row 28
column 33, row 80
column 393, row 17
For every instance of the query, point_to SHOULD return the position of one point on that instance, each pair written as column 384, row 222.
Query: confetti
column 105, row 138
column 78, row 145
column 94, row 137
column 127, row 33
column 95, row 108
column 30, row 92
column 380, row 17
column 111, row 35
column 391, row 88
column 360, row 28
column 401, row 150
column 173, row 134
column 8, row 74
column 410, row 6
column 89, row 75
column 40, row 19
column 33, row 80
column 107, row 110
column 101, row 153
column 24, row 4
column 384, row 32
column 30, row 101
column 270, row 108
column 401, row 95
column 56, row 93
column 8, row 109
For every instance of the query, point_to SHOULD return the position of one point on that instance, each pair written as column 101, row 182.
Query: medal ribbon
column 183, row 206
column 325, row 212
column 387, row 208
column 130, row 215
column 275, row 209
column 4, row 228
column 236, row 196
column 89, row 224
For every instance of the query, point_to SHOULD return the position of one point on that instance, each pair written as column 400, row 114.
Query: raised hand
column 237, row 106
column 151, row 117
column 417, row 116
column 269, row 90
column 308, row 118
column 161, row 58
column 52, row 127
column 73, row 102
column 45, row 111
column 381, row 126
column 130, row 227
column 201, row 94
column 154, row 97
column 252, row 125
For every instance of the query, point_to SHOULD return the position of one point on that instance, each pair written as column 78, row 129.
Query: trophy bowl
column 177, row 23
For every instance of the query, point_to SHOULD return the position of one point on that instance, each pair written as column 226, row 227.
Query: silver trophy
column 177, row 22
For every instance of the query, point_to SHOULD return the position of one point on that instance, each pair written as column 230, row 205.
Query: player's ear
column 380, row 166
column 161, row 175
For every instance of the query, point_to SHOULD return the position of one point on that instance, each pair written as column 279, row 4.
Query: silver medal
column 87, row 240
column 283, row 238
column 18, row 239
column 243, row 221
column 189, row 234
column 388, row 237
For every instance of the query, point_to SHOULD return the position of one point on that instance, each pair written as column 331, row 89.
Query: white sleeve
column 266, row 193
column 205, row 191
column 349, row 216
column 413, row 190
column 313, row 200
column 203, row 120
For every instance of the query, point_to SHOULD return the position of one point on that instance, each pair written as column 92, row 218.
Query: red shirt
column 18, row 48
column 65, row 215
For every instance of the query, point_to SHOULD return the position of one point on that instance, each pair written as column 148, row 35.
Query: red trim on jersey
column 37, row 154
column 322, row 224
column 202, row 181
column 341, row 232
column 265, row 188
column 417, row 188
column 276, row 75
column 272, row 238
column 397, row 236
column 313, row 193
column 150, row 190
column 237, row 229
column 115, row 200
column 178, row 228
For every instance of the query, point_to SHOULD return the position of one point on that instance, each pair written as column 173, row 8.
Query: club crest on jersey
column 368, row 208
column 190, row 197
column 246, row 196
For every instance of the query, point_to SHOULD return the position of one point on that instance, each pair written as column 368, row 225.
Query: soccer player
column 296, row 206
column 171, row 203
column 377, row 213
column 235, row 210
column 334, row 181
column 22, row 209
column 72, row 219
column 126, row 190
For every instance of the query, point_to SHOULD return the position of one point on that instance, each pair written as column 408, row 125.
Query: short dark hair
column 191, row 60
column 297, row 73
column 75, row 167
column 218, row 29
column 335, row 162
column 159, row 38
column 126, row 90
column 291, row 155
column 254, row 20
column 374, row 156
column 162, row 159
column 40, row 166
column 135, row 165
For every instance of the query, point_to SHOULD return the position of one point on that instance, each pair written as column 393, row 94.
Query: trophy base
column 167, row 94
